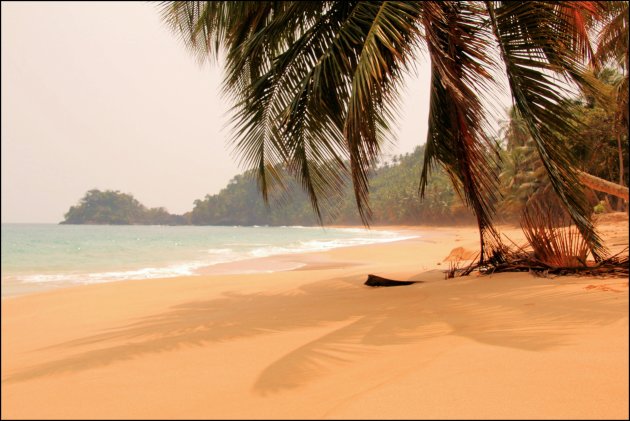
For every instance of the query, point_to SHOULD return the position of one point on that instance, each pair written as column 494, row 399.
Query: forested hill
column 115, row 208
column 394, row 200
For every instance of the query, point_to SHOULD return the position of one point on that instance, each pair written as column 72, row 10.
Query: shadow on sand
column 517, row 315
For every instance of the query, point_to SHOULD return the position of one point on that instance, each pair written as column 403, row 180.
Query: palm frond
column 288, row 113
column 576, row 18
column 554, row 240
column 612, row 42
column 612, row 48
column 201, row 25
column 387, row 32
column 458, row 132
column 331, row 95
column 533, row 47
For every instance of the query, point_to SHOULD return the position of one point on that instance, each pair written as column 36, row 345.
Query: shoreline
column 305, row 260
column 315, row 343
column 242, row 265
column 311, row 260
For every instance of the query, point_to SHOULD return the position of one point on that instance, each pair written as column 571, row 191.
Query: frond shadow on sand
column 370, row 318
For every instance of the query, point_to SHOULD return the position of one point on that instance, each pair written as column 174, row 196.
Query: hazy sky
column 103, row 95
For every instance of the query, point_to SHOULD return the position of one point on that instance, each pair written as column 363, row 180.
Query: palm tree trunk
column 602, row 185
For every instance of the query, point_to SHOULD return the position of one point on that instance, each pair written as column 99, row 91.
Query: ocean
column 37, row 257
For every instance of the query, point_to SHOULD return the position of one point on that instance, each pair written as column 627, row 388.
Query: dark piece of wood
column 377, row 281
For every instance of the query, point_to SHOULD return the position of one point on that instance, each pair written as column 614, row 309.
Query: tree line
column 394, row 188
column 115, row 208
column 394, row 200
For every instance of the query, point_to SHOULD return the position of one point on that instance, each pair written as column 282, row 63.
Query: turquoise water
column 36, row 257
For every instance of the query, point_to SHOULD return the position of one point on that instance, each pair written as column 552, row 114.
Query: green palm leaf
column 458, row 133
column 533, row 39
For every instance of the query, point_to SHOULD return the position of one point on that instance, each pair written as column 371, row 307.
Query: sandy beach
column 315, row 343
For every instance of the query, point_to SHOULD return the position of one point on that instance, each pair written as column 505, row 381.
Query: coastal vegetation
column 316, row 84
column 394, row 193
column 116, row 208
column 394, row 199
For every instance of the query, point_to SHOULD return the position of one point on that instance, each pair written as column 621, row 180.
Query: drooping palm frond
column 302, row 116
column 250, row 35
column 458, row 136
column 576, row 18
column 209, row 27
column 533, row 37
column 612, row 48
column 315, row 85
column 388, row 33
column 261, row 96
column 266, row 76
column 612, row 42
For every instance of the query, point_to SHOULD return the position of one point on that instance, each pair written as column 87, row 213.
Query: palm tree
column 612, row 48
column 315, row 87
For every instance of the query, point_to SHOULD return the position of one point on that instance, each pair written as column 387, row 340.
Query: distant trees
column 115, row 208
column 393, row 190
column 603, row 140
column 108, row 207
column 597, row 147
column 240, row 203
column 394, row 187
column 395, row 198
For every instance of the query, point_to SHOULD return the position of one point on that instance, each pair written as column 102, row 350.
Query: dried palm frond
column 556, row 242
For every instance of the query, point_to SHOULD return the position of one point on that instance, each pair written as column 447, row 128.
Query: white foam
column 247, row 244
column 213, row 257
column 182, row 269
column 322, row 245
column 219, row 251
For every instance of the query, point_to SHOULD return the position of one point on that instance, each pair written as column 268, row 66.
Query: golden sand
column 315, row 343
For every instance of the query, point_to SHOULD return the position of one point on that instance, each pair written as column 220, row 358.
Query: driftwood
column 377, row 281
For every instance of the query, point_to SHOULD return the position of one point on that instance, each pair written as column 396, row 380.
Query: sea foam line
column 218, row 256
